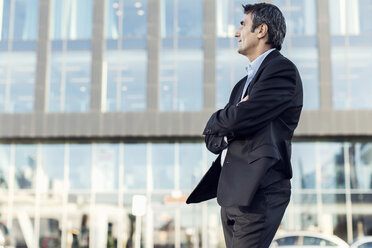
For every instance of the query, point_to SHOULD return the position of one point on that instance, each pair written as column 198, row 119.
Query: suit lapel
column 269, row 57
column 238, row 93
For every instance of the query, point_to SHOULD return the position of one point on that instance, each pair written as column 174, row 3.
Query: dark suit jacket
column 259, row 133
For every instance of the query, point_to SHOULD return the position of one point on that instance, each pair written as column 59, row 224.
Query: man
column 252, row 135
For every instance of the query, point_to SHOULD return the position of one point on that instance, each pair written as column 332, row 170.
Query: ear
column 262, row 30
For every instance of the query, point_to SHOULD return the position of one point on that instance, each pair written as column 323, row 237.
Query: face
column 248, row 40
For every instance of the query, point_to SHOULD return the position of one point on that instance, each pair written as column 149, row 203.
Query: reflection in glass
column 164, row 234
column 25, row 166
column 126, row 18
column 80, row 161
column 69, row 89
column 181, row 80
column 163, row 165
column 50, row 232
column 52, row 167
column 303, row 165
column 126, row 80
column 331, row 162
column 190, row 166
column 17, row 80
column 361, row 168
column 362, row 226
column 4, row 166
column 21, row 16
column 106, row 160
column 135, row 160
column 302, row 214
column 72, row 20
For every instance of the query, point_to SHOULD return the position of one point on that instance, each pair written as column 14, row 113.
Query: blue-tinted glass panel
column 25, row 166
column 22, row 76
column 23, row 14
column 361, row 167
column 80, row 166
column 181, row 18
column 69, row 82
column 4, row 166
column 126, row 80
column 304, row 165
column 330, row 159
column 5, row 19
column 135, row 170
column 72, row 20
column 181, row 80
column 25, row 19
column 106, row 173
column 17, row 80
column 126, row 18
column 190, row 166
column 52, row 167
column 163, row 165
column 351, row 30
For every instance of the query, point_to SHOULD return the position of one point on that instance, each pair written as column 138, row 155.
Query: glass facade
column 70, row 62
column 181, row 56
column 351, row 54
column 330, row 181
column 18, row 35
column 125, row 64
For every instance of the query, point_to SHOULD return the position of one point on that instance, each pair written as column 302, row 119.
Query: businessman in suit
column 252, row 135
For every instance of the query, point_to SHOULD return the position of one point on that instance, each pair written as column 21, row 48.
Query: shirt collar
column 255, row 64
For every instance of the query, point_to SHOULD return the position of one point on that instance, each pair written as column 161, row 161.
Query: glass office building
column 102, row 100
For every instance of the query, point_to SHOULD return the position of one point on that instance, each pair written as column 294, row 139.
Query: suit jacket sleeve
column 269, row 97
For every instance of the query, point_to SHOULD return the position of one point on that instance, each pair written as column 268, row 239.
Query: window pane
column 163, row 166
column 72, row 20
column 52, row 167
column 181, row 80
column 126, row 18
column 25, row 166
column 303, row 165
column 4, row 166
column 69, row 89
column 351, row 39
column 25, row 19
column 361, row 168
column 126, row 80
column 187, row 15
column 331, row 161
column 106, row 174
column 135, row 170
column 190, row 166
column 17, row 81
column 80, row 160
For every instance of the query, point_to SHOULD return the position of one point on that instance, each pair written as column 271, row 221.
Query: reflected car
column 307, row 239
column 364, row 242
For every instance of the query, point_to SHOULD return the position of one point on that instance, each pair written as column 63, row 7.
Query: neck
column 260, row 50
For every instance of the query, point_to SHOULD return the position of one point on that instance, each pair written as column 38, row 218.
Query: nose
column 237, row 33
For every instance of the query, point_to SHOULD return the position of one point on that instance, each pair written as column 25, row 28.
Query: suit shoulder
column 282, row 62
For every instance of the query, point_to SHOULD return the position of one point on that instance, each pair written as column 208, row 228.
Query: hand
column 215, row 144
column 244, row 99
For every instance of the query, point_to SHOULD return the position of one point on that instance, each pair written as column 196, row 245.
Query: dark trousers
column 254, row 226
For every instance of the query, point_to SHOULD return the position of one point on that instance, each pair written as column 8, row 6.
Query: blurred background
column 104, row 100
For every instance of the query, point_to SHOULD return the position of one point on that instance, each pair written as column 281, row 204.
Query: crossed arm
column 269, row 97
